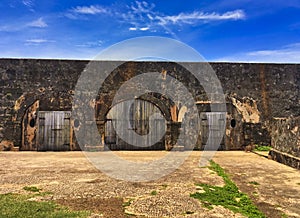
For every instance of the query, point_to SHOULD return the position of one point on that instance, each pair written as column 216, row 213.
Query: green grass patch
column 44, row 193
column 262, row 148
column 36, row 191
column 254, row 183
column 14, row 205
column 31, row 189
column 227, row 196
column 127, row 203
column 153, row 192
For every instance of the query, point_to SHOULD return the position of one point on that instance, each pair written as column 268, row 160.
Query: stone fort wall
column 255, row 93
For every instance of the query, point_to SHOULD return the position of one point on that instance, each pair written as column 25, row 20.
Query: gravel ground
column 75, row 182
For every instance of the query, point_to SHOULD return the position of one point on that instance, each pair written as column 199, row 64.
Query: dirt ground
column 75, row 182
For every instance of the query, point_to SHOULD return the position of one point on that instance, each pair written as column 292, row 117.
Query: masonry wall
column 286, row 141
column 22, row 82
column 274, row 87
column 257, row 92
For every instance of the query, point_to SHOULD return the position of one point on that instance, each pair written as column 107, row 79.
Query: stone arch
column 140, row 111
column 28, row 105
column 19, row 109
column 126, row 71
column 181, row 113
column 163, row 110
column 165, row 105
column 29, row 127
column 23, row 103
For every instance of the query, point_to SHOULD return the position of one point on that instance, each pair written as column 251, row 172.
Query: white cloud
column 150, row 17
column 141, row 29
column 92, row 9
column 132, row 28
column 17, row 26
column 287, row 54
column 144, row 28
column 198, row 15
column 37, row 41
column 142, row 16
column 28, row 3
column 40, row 23
column 98, row 43
column 142, row 7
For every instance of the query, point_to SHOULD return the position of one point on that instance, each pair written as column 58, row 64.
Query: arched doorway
column 136, row 118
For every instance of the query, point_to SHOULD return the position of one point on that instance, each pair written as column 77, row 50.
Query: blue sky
column 225, row 30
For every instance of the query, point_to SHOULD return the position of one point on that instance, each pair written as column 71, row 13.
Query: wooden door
column 212, row 130
column 53, row 131
column 140, row 112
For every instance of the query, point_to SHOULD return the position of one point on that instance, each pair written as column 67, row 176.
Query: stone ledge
column 93, row 148
column 285, row 158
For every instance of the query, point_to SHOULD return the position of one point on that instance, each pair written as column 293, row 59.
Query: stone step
column 178, row 148
column 94, row 148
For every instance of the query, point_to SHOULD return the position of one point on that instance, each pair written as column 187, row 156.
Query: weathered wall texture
column 286, row 141
column 23, row 82
column 274, row 87
column 255, row 93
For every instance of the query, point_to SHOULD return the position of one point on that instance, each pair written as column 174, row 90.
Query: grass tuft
column 262, row 148
column 227, row 196
column 13, row 205
column 153, row 192
column 31, row 189
column 127, row 203
column 254, row 183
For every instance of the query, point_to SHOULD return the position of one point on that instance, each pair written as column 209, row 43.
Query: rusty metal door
column 53, row 131
column 212, row 130
column 140, row 113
